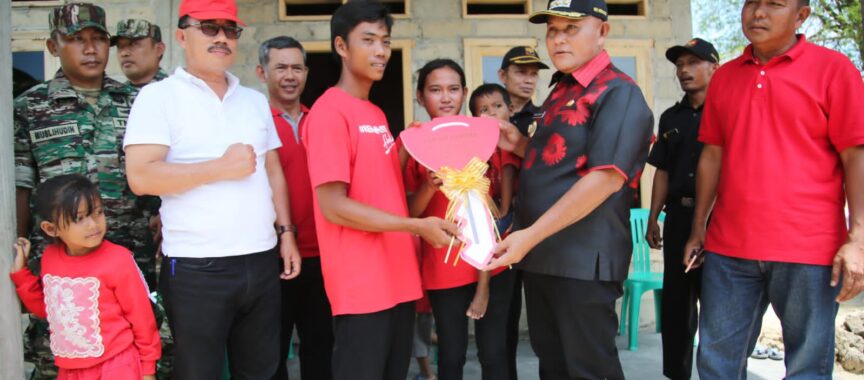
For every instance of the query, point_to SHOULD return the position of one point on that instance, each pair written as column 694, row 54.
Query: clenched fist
column 238, row 161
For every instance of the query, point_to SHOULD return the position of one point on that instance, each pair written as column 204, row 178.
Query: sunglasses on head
column 211, row 29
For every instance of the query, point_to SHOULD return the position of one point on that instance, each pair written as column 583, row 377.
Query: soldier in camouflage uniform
column 139, row 51
column 75, row 123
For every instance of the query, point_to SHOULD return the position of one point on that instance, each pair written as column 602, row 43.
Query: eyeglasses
column 211, row 29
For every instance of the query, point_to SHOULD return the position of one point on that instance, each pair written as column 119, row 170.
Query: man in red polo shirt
column 368, row 256
column 282, row 67
column 783, row 129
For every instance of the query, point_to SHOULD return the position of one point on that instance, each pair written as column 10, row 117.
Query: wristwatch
column 281, row 229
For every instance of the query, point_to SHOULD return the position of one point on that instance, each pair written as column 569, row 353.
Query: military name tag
column 54, row 132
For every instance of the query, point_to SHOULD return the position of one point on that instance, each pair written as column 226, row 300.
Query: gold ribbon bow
column 457, row 185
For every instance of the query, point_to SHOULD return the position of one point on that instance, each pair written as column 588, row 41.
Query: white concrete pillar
column 11, row 346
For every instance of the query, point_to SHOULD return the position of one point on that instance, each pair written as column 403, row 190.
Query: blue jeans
column 735, row 295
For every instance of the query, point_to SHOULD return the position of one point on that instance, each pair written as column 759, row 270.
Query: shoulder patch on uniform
column 54, row 132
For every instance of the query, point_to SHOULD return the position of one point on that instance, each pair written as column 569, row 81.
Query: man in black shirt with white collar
column 519, row 73
column 675, row 155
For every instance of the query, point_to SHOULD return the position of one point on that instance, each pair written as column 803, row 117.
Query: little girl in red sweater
column 90, row 290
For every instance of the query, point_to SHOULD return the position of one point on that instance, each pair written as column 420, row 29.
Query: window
column 393, row 93
column 627, row 7
column 483, row 58
column 37, row 3
column 495, row 8
column 323, row 9
column 28, row 48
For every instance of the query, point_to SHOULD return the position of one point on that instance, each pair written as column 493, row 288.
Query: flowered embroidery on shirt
column 72, row 305
column 555, row 150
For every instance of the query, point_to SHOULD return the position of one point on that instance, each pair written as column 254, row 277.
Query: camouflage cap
column 135, row 29
column 72, row 18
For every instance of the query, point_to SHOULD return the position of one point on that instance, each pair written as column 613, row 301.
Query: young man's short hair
column 485, row 90
column 354, row 12
column 281, row 42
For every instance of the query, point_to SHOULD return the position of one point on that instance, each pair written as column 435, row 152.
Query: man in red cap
column 207, row 147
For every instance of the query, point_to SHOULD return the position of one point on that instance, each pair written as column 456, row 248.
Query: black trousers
column 220, row 303
column 374, row 346
column 449, row 307
column 305, row 305
column 573, row 324
column 513, row 320
column 678, row 310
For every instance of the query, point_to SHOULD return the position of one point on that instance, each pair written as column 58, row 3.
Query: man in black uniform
column 675, row 155
column 519, row 73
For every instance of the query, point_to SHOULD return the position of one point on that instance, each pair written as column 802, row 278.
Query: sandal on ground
column 775, row 354
column 760, row 352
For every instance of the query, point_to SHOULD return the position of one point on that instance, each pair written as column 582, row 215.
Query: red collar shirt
column 292, row 156
column 781, row 126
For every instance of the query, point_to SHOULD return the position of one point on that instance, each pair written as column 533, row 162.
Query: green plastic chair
column 641, row 279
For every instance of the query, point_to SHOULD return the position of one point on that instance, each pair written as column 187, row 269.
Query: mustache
column 223, row 47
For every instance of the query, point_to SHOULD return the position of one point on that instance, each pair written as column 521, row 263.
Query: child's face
column 83, row 233
column 443, row 93
column 492, row 105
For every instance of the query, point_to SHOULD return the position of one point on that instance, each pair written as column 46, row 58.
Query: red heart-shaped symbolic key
column 452, row 141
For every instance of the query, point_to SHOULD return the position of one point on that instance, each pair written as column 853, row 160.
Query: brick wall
column 436, row 26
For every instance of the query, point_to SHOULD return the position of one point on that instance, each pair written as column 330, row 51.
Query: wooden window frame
column 284, row 17
column 405, row 47
column 645, row 5
column 529, row 8
column 33, row 42
column 474, row 49
column 22, row 4
column 641, row 51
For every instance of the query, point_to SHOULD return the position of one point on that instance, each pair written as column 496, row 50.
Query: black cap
column 698, row 47
column 572, row 9
column 522, row 55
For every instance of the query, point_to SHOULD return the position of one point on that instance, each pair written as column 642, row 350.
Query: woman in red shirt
column 458, row 292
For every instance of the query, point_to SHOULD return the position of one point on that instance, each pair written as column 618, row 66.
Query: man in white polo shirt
column 207, row 147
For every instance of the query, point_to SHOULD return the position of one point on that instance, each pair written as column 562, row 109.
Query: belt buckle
column 688, row 202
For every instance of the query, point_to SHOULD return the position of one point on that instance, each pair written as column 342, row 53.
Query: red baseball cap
column 210, row 10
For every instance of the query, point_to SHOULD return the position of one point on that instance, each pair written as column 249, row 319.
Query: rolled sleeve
column 845, row 111
column 621, row 132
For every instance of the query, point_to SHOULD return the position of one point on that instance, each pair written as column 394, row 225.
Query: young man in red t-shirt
column 367, row 255
column 282, row 67
column 783, row 129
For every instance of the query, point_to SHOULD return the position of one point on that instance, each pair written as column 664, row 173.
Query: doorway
column 388, row 93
